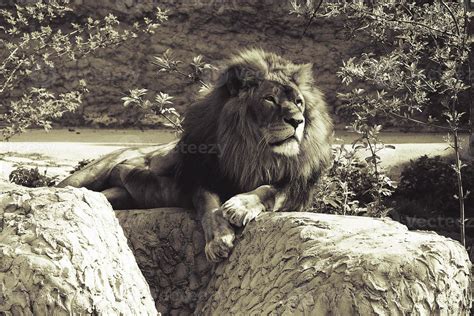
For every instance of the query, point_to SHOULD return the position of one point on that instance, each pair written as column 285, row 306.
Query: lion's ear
column 236, row 78
column 232, row 80
column 304, row 74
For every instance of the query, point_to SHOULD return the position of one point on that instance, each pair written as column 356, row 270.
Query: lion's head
column 268, row 122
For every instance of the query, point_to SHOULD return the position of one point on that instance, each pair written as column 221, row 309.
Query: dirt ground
column 58, row 151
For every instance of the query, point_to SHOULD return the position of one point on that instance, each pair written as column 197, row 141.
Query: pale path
column 59, row 150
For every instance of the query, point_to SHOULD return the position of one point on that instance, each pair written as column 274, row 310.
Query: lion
column 257, row 141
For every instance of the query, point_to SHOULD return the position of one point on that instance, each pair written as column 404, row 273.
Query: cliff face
column 212, row 28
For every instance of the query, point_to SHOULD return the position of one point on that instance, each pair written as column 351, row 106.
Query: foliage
column 421, row 62
column 161, row 104
column 32, row 41
column 432, row 182
column 36, row 107
column 31, row 177
column 81, row 164
column 351, row 186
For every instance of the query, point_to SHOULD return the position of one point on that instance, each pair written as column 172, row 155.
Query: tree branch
column 313, row 15
column 379, row 17
column 458, row 30
column 447, row 128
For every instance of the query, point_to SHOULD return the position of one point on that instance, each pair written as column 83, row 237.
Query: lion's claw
column 219, row 235
column 242, row 208
column 219, row 248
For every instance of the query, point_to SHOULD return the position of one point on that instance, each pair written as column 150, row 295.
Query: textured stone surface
column 300, row 263
column 169, row 247
column 316, row 264
column 63, row 252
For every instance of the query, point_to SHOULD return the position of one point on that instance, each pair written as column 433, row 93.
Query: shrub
column 81, row 164
column 432, row 182
column 351, row 187
column 160, row 105
column 31, row 178
column 422, row 61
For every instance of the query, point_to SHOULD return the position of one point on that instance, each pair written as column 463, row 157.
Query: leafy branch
column 160, row 106
column 30, row 44
column 421, row 66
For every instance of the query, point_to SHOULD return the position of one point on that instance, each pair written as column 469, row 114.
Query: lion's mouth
column 281, row 142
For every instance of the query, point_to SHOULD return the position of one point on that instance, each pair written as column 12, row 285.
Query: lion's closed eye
column 271, row 99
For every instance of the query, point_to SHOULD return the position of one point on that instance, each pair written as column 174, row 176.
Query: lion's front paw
column 220, row 237
column 219, row 248
column 242, row 208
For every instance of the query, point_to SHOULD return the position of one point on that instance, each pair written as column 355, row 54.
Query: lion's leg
column 94, row 175
column 119, row 198
column 242, row 208
column 218, row 233
column 145, row 189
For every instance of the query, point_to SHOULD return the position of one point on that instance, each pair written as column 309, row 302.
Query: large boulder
column 318, row 264
column 63, row 252
column 301, row 263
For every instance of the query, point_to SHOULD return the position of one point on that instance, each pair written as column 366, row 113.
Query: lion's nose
column 293, row 121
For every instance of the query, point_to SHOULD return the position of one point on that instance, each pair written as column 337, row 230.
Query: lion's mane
column 229, row 157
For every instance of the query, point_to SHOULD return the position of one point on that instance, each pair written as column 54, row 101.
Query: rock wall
column 212, row 28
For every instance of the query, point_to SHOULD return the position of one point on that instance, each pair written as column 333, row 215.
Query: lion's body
column 220, row 121
column 261, row 134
